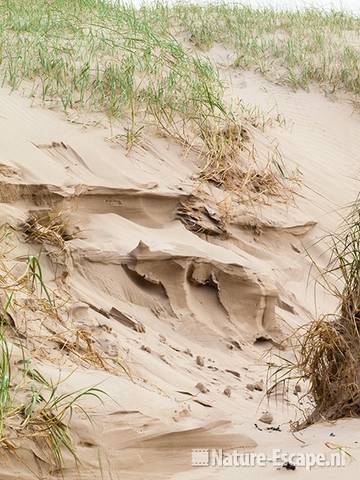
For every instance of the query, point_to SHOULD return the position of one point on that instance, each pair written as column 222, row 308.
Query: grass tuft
column 134, row 67
column 49, row 228
column 327, row 352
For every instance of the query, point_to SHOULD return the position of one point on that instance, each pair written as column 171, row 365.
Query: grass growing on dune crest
column 132, row 66
column 108, row 58
column 147, row 68
column 291, row 48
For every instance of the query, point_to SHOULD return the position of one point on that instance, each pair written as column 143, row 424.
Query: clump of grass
column 327, row 352
column 31, row 407
column 49, row 228
column 295, row 48
column 232, row 164
column 46, row 418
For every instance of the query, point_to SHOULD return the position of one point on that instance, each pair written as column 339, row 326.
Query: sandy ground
column 180, row 309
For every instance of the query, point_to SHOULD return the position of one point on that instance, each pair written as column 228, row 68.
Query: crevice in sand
column 65, row 154
column 248, row 300
column 152, row 288
column 210, row 282
column 146, row 207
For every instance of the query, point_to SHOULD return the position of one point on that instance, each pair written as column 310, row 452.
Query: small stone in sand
column 202, row 388
column 200, row 361
column 181, row 414
column 163, row 358
column 266, row 418
column 259, row 386
column 297, row 389
column 145, row 348
column 289, row 466
column 233, row 372
column 227, row 391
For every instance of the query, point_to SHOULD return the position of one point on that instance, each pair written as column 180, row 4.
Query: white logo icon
column 200, row 457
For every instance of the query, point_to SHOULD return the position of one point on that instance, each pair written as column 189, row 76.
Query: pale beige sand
column 161, row 296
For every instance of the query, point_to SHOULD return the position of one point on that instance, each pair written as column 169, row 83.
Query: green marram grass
column 151, row 62
column 101, row 57
column 291, row 48
column 132, row 66
column 149, row 67
column 31, row 406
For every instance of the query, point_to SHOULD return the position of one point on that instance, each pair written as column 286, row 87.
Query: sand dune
column 179, row 308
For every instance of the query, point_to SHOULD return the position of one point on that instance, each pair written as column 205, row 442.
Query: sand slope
column 179, row 308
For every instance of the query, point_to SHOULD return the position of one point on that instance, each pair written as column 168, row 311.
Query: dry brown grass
column 327, row 352
column 233, row 164
column 83, row 345
column 330, row 360
column 47, row 228
column 201, row 215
